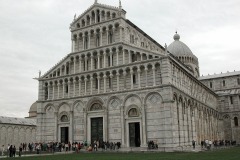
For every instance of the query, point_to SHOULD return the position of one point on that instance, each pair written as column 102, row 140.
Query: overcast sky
column 34, row 35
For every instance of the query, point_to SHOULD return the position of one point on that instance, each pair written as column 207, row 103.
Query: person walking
column 193, row 144
column 3, row 149
column 14, row 151
column 20, row 150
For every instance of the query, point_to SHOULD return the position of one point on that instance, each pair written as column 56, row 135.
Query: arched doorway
column 96, row 127
column 134, row 127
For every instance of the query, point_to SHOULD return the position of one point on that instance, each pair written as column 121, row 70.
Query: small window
column 110, row 83
column 235, row 121
column 132, row 39
column 224, row 83
column 238, row 81
column 109, row 61
column 134, row 79
column 210, row 84
column 142, row 44
column 66, row 89
column 134, row 58
column 231, row 99
column 67, row 71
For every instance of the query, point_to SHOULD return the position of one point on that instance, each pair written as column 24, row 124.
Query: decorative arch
column 96, row 106
column 76, row 104
column 132, row 111
column 48, row 107
column 64, row 115
column 129, row 96
column 64, row 107
column 93, row 101
column 114, row 102
column 153, row 98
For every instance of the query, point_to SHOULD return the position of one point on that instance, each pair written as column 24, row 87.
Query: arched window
column 64, row 118
column 96, row 107
column 235, row 121
column 133, row 112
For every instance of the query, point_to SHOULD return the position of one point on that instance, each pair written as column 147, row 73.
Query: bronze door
column 64, row 135
column 134, row 134
column 97, row 129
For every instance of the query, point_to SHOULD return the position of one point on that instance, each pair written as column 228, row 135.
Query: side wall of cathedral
column 16, row 134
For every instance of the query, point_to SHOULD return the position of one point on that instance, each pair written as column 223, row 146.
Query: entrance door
column 134, row 134
column 64, row 135
column 97, row 129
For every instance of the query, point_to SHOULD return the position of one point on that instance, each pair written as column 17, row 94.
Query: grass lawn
column 223, row 154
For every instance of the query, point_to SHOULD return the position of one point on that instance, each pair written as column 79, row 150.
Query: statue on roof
column 39, row 74
column 96, row 1
column 75, row 16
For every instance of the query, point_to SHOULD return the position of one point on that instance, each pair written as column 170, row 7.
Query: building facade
column 120, row 85
column 15, row 131
column 227, row 86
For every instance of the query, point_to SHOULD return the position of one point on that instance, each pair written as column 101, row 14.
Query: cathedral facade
column 120, row 85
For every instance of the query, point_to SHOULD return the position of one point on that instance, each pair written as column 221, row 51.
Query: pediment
column 55, row 70
column 99, row 8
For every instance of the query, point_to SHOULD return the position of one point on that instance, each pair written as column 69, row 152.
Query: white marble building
column 120, row 85
column 15, row 131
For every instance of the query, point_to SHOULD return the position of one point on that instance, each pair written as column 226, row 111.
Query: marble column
column 83, row 42
column 120, row 33
column 144, row 128
column 104, row 82
column 48, row 91
column 53, row 95
column 141, row 56
column 58, row 90
column 130, row 57
column 91, row 88
column 74, row 88
column 139, row 77
column 74, row 66
column 80, row 64
column 154, row 75
column 117, row 81
column 98, row 77
column 69, row 87
column 107, row 32
column 123, row 56
column 131, row 72
column 80, row 84
column 117, row 55
column 111, row 77
column 122, row 125
column 85, row 80
column 56, row 126
column 104, row 59
column 124, row 82
column 63, row 84
column 71, row 127
column 98, row 55
column 101, row 38
column 92, row 61
column 89, row 40
column 113, row 34
column 146, row 75
column 111, row 60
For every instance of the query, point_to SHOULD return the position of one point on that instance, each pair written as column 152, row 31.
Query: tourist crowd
column 11, row 150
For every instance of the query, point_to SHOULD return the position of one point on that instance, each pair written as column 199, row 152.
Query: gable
column 95, row 12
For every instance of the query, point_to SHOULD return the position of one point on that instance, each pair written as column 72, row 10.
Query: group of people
column 12, row 150
column 152, row 145
column 216, row 143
